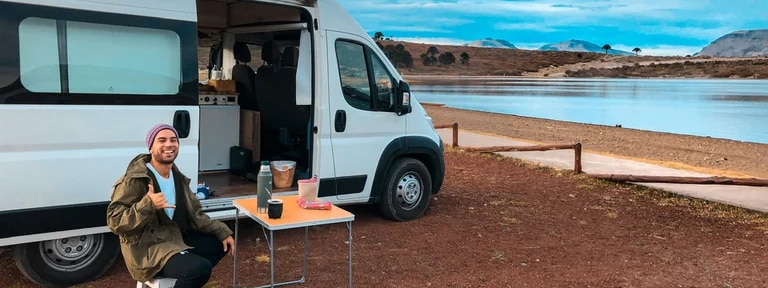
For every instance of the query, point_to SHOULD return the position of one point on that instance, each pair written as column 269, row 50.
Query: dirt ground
column 702, row 154
column 500, row 223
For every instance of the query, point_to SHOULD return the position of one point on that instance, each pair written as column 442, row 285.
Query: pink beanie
column 156, row 129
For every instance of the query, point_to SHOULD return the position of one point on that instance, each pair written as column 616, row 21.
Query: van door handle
column 182, row 123
column 341, row 121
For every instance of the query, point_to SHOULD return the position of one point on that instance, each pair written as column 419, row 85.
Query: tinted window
column 354, row 75
column 60, row 56
column 100, row 58
column 363, row 74
column 39, row 55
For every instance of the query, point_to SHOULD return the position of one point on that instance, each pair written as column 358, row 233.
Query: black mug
column 275, row 208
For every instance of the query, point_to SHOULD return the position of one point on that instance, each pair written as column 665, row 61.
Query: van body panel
column 69, row 154
column 184, row 10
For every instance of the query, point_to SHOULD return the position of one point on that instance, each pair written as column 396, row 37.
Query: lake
column 720, row 108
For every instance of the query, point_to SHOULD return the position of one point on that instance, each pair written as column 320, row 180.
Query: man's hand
column 158, row 199
column 229, row 245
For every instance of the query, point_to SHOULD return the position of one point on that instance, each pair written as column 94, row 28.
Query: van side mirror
column 403, row 98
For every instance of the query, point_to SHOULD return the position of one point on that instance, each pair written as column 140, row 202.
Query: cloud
column 695, row 32
column 524, row 26
column 679, row 24
column 518, row 9
column 433, row 40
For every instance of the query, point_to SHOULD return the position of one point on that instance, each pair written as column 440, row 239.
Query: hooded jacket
column 148, row 237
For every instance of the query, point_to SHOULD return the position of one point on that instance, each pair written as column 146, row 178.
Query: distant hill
column 491, row 43
column 581, row 46
column 742, row 43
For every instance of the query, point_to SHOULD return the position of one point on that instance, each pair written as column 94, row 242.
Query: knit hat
column 156, row 129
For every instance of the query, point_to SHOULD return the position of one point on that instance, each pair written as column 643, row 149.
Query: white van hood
column 309, row 3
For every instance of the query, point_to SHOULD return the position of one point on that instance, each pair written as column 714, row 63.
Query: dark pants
column 193, row 268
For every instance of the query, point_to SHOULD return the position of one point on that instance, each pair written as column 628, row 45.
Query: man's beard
column 160, row 159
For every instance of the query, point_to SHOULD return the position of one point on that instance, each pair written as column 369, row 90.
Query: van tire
column 408, row 189
column 37, row 265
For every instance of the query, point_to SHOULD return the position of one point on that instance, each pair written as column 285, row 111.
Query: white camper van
column 82, row 81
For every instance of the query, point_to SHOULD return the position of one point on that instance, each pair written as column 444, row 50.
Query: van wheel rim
column 73, row 253
column 409, row 191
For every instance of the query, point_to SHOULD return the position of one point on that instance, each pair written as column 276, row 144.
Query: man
column 163, row 231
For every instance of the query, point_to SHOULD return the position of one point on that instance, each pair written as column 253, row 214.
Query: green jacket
column 148, row 237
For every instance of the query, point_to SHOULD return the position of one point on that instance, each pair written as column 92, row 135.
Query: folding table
column 293, row 217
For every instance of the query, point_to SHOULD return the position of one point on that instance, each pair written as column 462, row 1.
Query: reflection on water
column 721, row 108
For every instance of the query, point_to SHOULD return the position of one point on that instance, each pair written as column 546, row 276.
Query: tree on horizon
column 637, row 50
column 447, row 58
column 378, row 36
column 606, row 47
column 429, row 58
column 432, row 51
column 464, row 58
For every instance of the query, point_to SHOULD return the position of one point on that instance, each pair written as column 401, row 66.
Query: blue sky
column 668, row 27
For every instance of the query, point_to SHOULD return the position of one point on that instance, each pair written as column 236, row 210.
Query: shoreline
column 716, row 156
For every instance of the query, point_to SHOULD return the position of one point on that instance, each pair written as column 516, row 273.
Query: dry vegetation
column 491, row 61
column 751, row 68
column 519, row 62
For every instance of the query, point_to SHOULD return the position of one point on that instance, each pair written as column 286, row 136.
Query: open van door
column 362, row 106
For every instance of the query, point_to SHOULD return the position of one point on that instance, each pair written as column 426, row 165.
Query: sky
column 666, row 27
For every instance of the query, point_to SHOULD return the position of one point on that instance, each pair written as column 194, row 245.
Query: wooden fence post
column 577, row 158
column 455, row 134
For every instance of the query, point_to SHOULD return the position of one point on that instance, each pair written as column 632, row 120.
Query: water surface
column 721, row 108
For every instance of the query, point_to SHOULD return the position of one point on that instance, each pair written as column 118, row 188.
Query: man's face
column 166, row 147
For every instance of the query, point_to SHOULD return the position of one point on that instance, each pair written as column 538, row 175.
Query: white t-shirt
column 167, row 187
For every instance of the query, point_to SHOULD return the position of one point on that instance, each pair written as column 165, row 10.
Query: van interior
column 250, row 56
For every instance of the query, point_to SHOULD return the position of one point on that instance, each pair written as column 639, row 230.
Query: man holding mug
column 162, row 228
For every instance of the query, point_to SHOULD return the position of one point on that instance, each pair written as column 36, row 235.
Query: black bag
column 240, row 160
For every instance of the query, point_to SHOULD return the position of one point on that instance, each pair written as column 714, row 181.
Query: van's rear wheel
column 407, row 192
column 67, row 261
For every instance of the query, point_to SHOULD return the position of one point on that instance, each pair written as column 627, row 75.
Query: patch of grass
column 508, row 220
column 262, row 258
column 701, row 207
column 498, row 255
column 214, row 284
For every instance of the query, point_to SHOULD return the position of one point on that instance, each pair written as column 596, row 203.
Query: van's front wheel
column 407, row 192
column 67, row 261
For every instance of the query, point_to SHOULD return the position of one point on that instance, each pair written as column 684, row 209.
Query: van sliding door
column 78, row 92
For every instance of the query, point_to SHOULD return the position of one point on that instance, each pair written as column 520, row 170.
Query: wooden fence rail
column 610, row 177
column 576, row 148
column 681, row 180
column 455, row 127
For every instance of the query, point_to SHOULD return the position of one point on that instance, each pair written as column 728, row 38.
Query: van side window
column 365, row 81
column 78, row 57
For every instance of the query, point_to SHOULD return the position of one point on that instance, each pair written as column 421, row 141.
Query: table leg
column 271, row 259
column 306, row 253
column 349, row 228
column 234, row 260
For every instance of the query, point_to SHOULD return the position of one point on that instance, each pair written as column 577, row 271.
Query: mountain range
column 491, row 43
column 742, row 43
column 581, row 46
